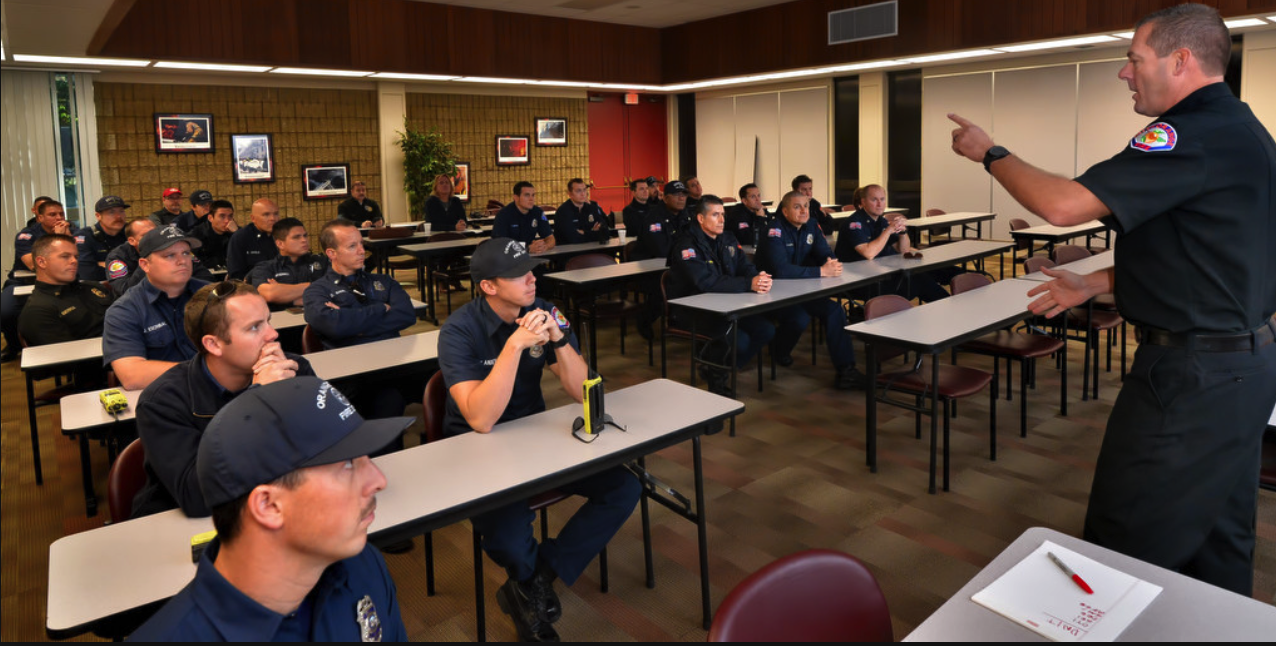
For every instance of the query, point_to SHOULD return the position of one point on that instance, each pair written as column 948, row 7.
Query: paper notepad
column 1039, row 596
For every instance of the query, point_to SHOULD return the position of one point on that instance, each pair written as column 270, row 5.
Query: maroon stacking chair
column 1022, row 245
column 434, row 403
column 1064, row 254
column 452, row 268
column 816, row 595
column 614, row 308
column 946, row 236
column 382, row 259
column 954, row 383
column 310, row 340
column 668, row 329
column 1035, row 264
column 1012, row 346
column 127, row 477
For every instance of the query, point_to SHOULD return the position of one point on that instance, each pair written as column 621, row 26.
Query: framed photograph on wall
column 253, row 160
column 461, row 182
column 551, row 131
column 512, row 150
column 325, row 181
column 183, row 133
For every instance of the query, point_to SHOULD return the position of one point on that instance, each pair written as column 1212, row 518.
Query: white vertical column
column 873, row 129
column 392, row 110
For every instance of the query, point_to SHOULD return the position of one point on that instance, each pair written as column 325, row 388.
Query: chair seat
column 1023, row 346
column 1098, row 319
column 954, row 381
column 404, row 262
column 1105, row 302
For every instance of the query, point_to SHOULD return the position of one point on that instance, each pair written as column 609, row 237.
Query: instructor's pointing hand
column 969, row 140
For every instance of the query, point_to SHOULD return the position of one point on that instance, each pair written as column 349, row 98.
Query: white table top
column 1050, row 230
column 949, row 254
column 580, row 247
column 53, row 354
column 618, row 271
column 948, row 219
column 1187, row 610
column 106, row 571
column 339, row 363
column 785, row 291
column 943, row 322
column 842, row 215
column 1084, row 267
column 423, row 249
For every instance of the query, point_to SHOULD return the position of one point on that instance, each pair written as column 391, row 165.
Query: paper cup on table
column 622, row 235
column 426, row 228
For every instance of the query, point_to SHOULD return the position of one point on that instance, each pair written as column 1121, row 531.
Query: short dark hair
column 744, row 190
column 130, row 229
column 46, row 204
column 220, row 204
column 1194, row 26
column 328, row 236
column 40, row 248
column 283, row 227
column 800, row 180
column 788, row 197
column 857, row 196
column 633, row 184
column 518, row 187
column 572, row 182
column 41, row 199
column 227, row 517
column 206, row 315
column 707, row 200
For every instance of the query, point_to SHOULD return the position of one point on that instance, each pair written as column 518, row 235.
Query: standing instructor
column 1191, row 198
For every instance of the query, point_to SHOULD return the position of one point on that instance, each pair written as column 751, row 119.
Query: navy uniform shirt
column 187, row 220
column 22, row 244
column 787, row 251
column 94, row 244
column 1193, row 202
column 523, row 227
column 860, row 229
column 744, row 224
column 351, row 596
column 655, row 237
column 306, row 269
column 60, row 313
column 247, row 247
column 824, row 220
column 469, row 343
column 574, row 225
column 701, row 264
column 212, row 248
column 146, row 323
column 122, row 272
column 362, row 317
column 163, row 218
column 172, row 414
column 635, row 215
column 443, row 217
column 358, row 213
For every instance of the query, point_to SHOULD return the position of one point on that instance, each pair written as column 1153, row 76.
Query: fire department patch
column 1159, row 136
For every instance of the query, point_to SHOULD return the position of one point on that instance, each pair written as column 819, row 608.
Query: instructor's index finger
column 959, row 120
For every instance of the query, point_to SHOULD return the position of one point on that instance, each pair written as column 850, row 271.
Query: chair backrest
column 495, row 205
column 389, row 232
column 1037, row 263
column 933, row 212
column 968, row 281
column 849, row 207
column 665, row 277
column 310, row 341
column 816, row 595
column 627, row 252
column 127, row 477
column 881, row 306
column 1015, row 225
column 434, row 408
column 585, row 261
column 1064, row 254
column 444, row 236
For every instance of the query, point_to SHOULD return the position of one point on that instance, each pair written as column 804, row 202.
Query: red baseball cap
column 170, row 192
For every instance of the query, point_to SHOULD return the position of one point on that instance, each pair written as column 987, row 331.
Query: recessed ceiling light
column 317, row 72
column 412, row 77
column 490, row 79
column 80, row 60
column 212, row 67
column 1066, row 42
column 1244, row 22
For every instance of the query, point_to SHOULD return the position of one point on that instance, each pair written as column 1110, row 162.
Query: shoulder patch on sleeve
column 654, row 228
column 116, row 269
column 856, row 225
column 744, row 225
column 773, row 233
column 79, row 239
column 688, row 254
column 560, row 319
column 24, row 236
column 1159, row 136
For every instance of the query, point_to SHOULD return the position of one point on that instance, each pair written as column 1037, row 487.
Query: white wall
column 767, row 137
column 1257, row 87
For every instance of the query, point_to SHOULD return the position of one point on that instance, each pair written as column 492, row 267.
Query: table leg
column 593, row 333
column 934, row 419
column 429, row 286
column 735, row 334
column 702, row 533
column 870, row 393
column 35, row 431
column 86, row 475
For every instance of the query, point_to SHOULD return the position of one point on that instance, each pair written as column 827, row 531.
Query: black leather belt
column 1242, row 342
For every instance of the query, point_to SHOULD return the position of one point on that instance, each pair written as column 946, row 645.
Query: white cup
column 623, row 236
column 427, row 228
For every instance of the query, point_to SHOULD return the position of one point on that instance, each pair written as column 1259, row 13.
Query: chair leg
column 544, row 525
column 602, row 570
column 480, row 611
column 429, row 564
column 646, row 537
column 1023, row 396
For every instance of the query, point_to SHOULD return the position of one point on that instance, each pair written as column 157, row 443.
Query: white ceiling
column 51, row 27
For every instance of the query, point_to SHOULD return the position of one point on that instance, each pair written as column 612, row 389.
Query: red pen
column 1076, row 578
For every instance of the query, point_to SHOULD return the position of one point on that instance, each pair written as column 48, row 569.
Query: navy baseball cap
column 501, row 258
column 201, row 197
column 162, row 238
column 270, row 431
column 110, row 202
column 675, row 187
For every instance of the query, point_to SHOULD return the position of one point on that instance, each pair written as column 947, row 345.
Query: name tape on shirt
column 1159, row 136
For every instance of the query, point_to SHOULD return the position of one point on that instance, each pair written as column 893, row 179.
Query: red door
column 625, row 142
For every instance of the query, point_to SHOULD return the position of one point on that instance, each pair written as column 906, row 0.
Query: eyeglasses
column 222, row 290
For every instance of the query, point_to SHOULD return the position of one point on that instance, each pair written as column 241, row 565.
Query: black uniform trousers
column 1176, row 483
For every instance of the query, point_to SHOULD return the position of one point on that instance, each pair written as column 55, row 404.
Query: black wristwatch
column 559, row 343
column 993, row 154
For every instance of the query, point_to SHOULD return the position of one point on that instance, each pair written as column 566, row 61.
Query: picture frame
column 325, row 181
column 177, row 132
column 461, row 182
column 253, row 158
column 513, row 150
column 551, row 131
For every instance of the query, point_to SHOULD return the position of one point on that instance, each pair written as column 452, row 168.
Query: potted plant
column 426, row 155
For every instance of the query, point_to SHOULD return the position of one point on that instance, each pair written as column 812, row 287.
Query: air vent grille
column 864, row 23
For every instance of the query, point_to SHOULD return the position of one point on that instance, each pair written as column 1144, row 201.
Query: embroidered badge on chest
column 369, row 622
column 1159, row 136
column 810, row 238
column 378, row 286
